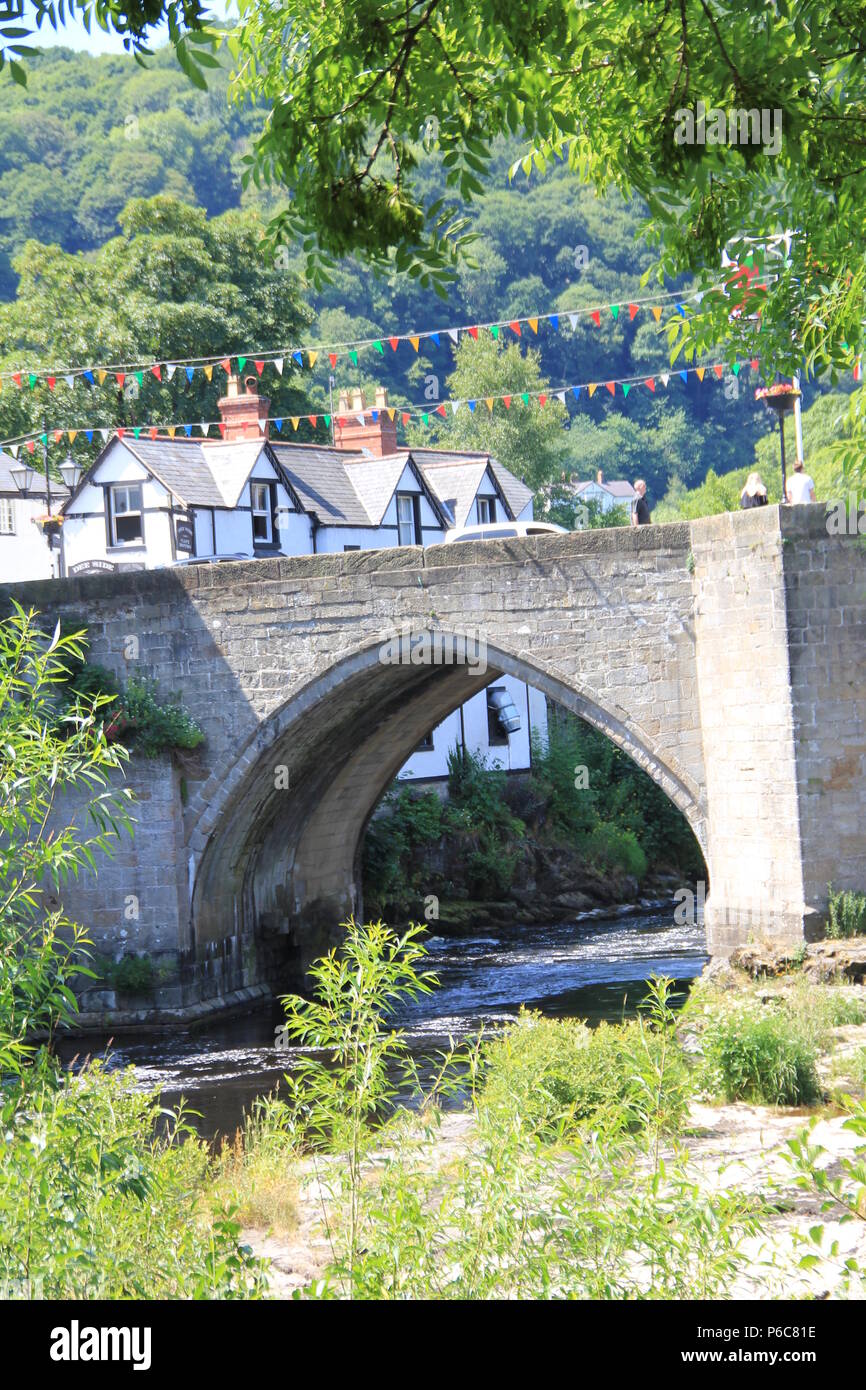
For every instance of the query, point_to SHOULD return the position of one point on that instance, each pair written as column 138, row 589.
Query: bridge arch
column 275, row 840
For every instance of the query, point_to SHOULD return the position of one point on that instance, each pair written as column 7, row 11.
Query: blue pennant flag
column 554, row 319
column 681, row 310
column 89, row 434
column 684, row 375
column 298, row 358
column 190, row 373
column 188, row 430
column 279, row 425
column 89, row 377
column 575, row 391
column 374, row 415
column 471, row 404
column 435, row 337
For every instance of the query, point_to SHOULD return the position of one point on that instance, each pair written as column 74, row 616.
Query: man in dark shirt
column 641, row 513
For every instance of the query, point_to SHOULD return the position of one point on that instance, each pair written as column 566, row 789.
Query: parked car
column 502, row 530
column 208, row 559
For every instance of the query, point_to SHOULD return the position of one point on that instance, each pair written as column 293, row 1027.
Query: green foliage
column 838, row 1181
column 609, row 847
column 44, row 750
column 760, row 1055
column 558, row 1072
column 94, row 1205
column 847, row 914
column 133, row 713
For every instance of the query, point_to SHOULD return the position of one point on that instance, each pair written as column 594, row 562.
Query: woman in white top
column 800, row 488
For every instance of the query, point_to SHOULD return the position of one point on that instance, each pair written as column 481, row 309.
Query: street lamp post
column 781, row 399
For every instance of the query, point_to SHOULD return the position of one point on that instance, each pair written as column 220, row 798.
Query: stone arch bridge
column 726, row 656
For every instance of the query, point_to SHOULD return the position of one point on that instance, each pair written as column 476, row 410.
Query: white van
column 503, row 530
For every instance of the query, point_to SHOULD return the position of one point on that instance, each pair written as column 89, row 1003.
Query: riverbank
column 788, row 1220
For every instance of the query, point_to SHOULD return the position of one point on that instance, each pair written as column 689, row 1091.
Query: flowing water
column 586, row 970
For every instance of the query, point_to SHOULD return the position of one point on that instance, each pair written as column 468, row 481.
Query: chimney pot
column 244, row 413
column 379, row 436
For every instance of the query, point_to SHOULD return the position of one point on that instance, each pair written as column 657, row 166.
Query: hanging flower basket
column 48, row 525
column 779, row 398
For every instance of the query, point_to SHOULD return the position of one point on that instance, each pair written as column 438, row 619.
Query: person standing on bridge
column 640, row 515
column 800, row 487
column 754, row 494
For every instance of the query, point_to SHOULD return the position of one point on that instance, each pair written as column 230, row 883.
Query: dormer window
column 263, row 521
column 408, row 519
column 125, row 515
column 486, row 508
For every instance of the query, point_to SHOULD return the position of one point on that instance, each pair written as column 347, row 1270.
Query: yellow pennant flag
column 171, row 430
column 72, row 434
column 295, row 421
column 700, row 372
column 657, row 313
column 533, row 324
column 488, row 401
column 208, row 371
column 102, row 375
column 414, row 342
column 391, row 412
column 313, row 358
column 592, row 387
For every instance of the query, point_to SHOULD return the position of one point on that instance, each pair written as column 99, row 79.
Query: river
column 591, row 970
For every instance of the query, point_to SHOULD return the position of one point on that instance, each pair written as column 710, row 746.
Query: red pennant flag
column 632, row 310
column 405, row 418
column 341, row 421
column 58, row 435
column 120, row 378
column 515, row 328
column 754, row 364
column 541, row 400
column 718, row 371
column 245, row 424
column 312, row 419
column 16, row 377
column 650, row 382
column 596, row 317
column 222, row 428
column 611, row 386
column 440, row 410
column 332, row 358
column 31, row 445
column 474, row 332
column 157, row 372
column 120, row 433
column 226, row 365
column 394, row 343
column 260, row 367
column 51, row 382
column 506, row 401
column 153, row 432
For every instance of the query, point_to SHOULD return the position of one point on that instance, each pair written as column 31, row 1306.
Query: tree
column 526, row 437
column 172, row 285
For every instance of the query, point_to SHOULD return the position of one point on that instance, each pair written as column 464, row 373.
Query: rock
column 572, row 902
column 819, row 960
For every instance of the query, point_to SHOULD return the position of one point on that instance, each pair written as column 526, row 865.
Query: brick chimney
column 379, row 435
column 599, row 478
column 243, row 411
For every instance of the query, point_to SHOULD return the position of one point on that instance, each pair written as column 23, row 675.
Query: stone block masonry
column 726, row 656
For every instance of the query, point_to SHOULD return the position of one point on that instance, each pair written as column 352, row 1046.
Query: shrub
column 155, row 726
column 554, row 1071
column 255, row 1174
column 759, row 1055
column 847, row 915
column 609, row 847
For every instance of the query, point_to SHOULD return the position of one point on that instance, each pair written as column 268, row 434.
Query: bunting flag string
column 308, row 356
column 624, row 384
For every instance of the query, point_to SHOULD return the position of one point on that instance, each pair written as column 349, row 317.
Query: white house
column 606, row 494
column 26, row 552
column 154, row 500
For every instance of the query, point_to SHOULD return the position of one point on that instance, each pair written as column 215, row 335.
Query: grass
column 255, row 1173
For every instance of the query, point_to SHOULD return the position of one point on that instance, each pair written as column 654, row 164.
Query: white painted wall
column 84, row 531
column 25, row 554
column 515, row 755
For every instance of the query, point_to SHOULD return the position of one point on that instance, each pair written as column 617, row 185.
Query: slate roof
column 320, row 479
column 616, row 488
column 180, row 464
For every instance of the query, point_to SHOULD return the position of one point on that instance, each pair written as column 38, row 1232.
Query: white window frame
column 488, row 505
column 409, row 499
column 113, row 492
column 257, row 487
column 7, row 516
